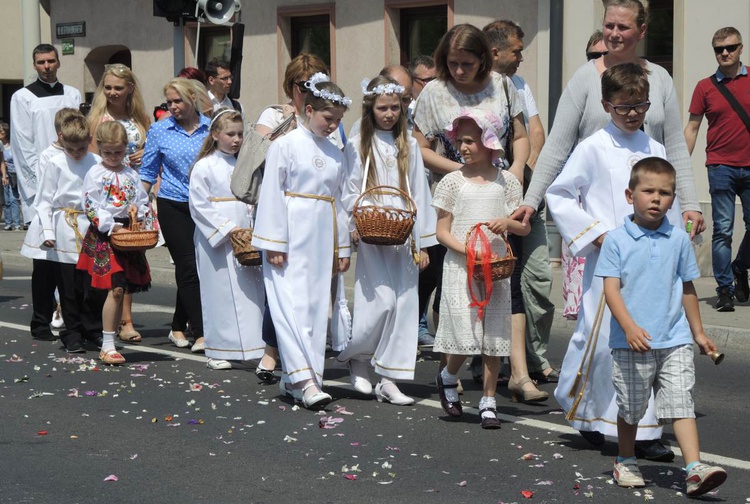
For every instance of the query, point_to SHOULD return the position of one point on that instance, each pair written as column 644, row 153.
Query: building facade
column 358, row 37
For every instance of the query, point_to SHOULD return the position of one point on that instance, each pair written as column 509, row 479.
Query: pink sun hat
column 491, row 124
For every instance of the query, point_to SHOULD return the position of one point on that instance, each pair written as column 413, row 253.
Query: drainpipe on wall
column 554, row 241
column 178, row 46
column 555, row 56
column 32, row 37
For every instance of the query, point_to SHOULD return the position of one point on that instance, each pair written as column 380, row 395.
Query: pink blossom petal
column 111, row 477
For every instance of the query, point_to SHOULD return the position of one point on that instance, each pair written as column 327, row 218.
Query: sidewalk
column 728, row 329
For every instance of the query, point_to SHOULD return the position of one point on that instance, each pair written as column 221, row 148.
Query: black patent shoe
column 653, row 449
column 489, row 422
column 596, row 438
column 454, row 409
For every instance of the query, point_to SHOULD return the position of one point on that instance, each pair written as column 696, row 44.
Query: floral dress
column 107, row 197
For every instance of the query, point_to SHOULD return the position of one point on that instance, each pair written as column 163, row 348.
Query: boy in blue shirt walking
column 648, row 266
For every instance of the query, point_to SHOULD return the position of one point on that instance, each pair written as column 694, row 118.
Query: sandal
column 129, row 336
column 111, row 357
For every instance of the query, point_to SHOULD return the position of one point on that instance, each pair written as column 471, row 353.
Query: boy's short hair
column 212, row 68
column 500, row 32
column 652, row 164
column 627, row 78
column 75, row 129
column 64, row 114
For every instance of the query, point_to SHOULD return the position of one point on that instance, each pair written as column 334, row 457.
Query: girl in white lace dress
column 478, row 192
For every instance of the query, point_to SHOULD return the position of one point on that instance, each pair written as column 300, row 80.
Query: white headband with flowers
column 320, row 77
column 381, row 89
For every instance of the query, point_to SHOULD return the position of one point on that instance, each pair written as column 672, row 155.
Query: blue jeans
column 725, row 184
column 12, row 207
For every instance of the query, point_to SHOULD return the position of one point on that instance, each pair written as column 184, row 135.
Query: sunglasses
column 730, row 48
column 595, row 55
column 623, row 110
column 301, row 86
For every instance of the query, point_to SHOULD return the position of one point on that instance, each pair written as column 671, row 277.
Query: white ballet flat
column 295, row 394
column 218, row 364
column 315, row 401
column 178, row 342
column 359, row 377
column 398, row 398
column 198, row 347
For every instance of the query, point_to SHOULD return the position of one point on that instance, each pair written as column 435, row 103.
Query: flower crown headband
column 381, row 89
column 318, row 78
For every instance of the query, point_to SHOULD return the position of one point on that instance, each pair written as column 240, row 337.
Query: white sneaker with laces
column 627, row 474
column 702, row 478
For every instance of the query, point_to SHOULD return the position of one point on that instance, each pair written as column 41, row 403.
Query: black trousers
column 178, row 228
column 80, row 304
column 431, row 279
column 43, row 285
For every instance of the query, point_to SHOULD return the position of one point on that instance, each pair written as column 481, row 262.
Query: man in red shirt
column 727, row 161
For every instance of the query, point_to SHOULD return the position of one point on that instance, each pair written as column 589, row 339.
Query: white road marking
column 16, row 278
column 430, row 403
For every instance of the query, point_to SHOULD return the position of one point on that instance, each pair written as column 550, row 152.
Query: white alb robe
column 599, row 170
column 33, row 120
column 386, row 301
column 300, row 214
column 58, row 208
column 232, row 296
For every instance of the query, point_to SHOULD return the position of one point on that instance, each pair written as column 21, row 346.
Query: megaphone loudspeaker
column 217, row 11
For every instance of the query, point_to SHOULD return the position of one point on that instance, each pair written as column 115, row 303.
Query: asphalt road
column 170, row 430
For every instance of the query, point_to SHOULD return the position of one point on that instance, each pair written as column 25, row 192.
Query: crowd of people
column 450, row 145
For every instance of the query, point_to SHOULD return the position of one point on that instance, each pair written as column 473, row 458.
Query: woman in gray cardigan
column 580, row 114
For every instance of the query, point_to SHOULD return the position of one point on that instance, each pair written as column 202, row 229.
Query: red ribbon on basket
column 471, row 260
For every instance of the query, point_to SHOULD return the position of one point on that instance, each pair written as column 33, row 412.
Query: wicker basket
column 246, row 254
column 135, row 239
column 501, row 267
column 383, row 225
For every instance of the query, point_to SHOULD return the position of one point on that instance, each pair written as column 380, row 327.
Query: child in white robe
column 479, row 192
column 386, row 301
column 55, row 235
column 110, row 190
column 302, row 227
column 598, row 172
column 232, row 296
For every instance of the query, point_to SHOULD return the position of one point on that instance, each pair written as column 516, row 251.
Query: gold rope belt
column 330, row 200
column 71, row 219
column 225, row 198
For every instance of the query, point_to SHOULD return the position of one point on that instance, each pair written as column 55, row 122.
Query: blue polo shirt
column 172, row 150
column 651, row 266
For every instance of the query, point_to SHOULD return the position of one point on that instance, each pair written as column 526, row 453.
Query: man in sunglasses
column 724, row 98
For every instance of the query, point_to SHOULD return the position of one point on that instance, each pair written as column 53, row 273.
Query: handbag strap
column 281, row 129
column 741, row 112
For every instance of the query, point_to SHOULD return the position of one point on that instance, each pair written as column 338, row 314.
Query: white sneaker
column 218, row 364
column 57, row 320
column 627, row 474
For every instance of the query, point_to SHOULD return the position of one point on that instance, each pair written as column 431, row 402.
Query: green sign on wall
column 68, row 46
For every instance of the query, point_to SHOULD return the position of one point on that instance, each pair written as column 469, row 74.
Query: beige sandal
column 129, row 336
column 111, row 357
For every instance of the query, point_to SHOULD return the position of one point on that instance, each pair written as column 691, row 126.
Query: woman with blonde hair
column 172, row 146
column 118, row 98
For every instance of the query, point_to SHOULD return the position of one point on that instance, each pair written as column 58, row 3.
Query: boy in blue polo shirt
column 648, row 266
